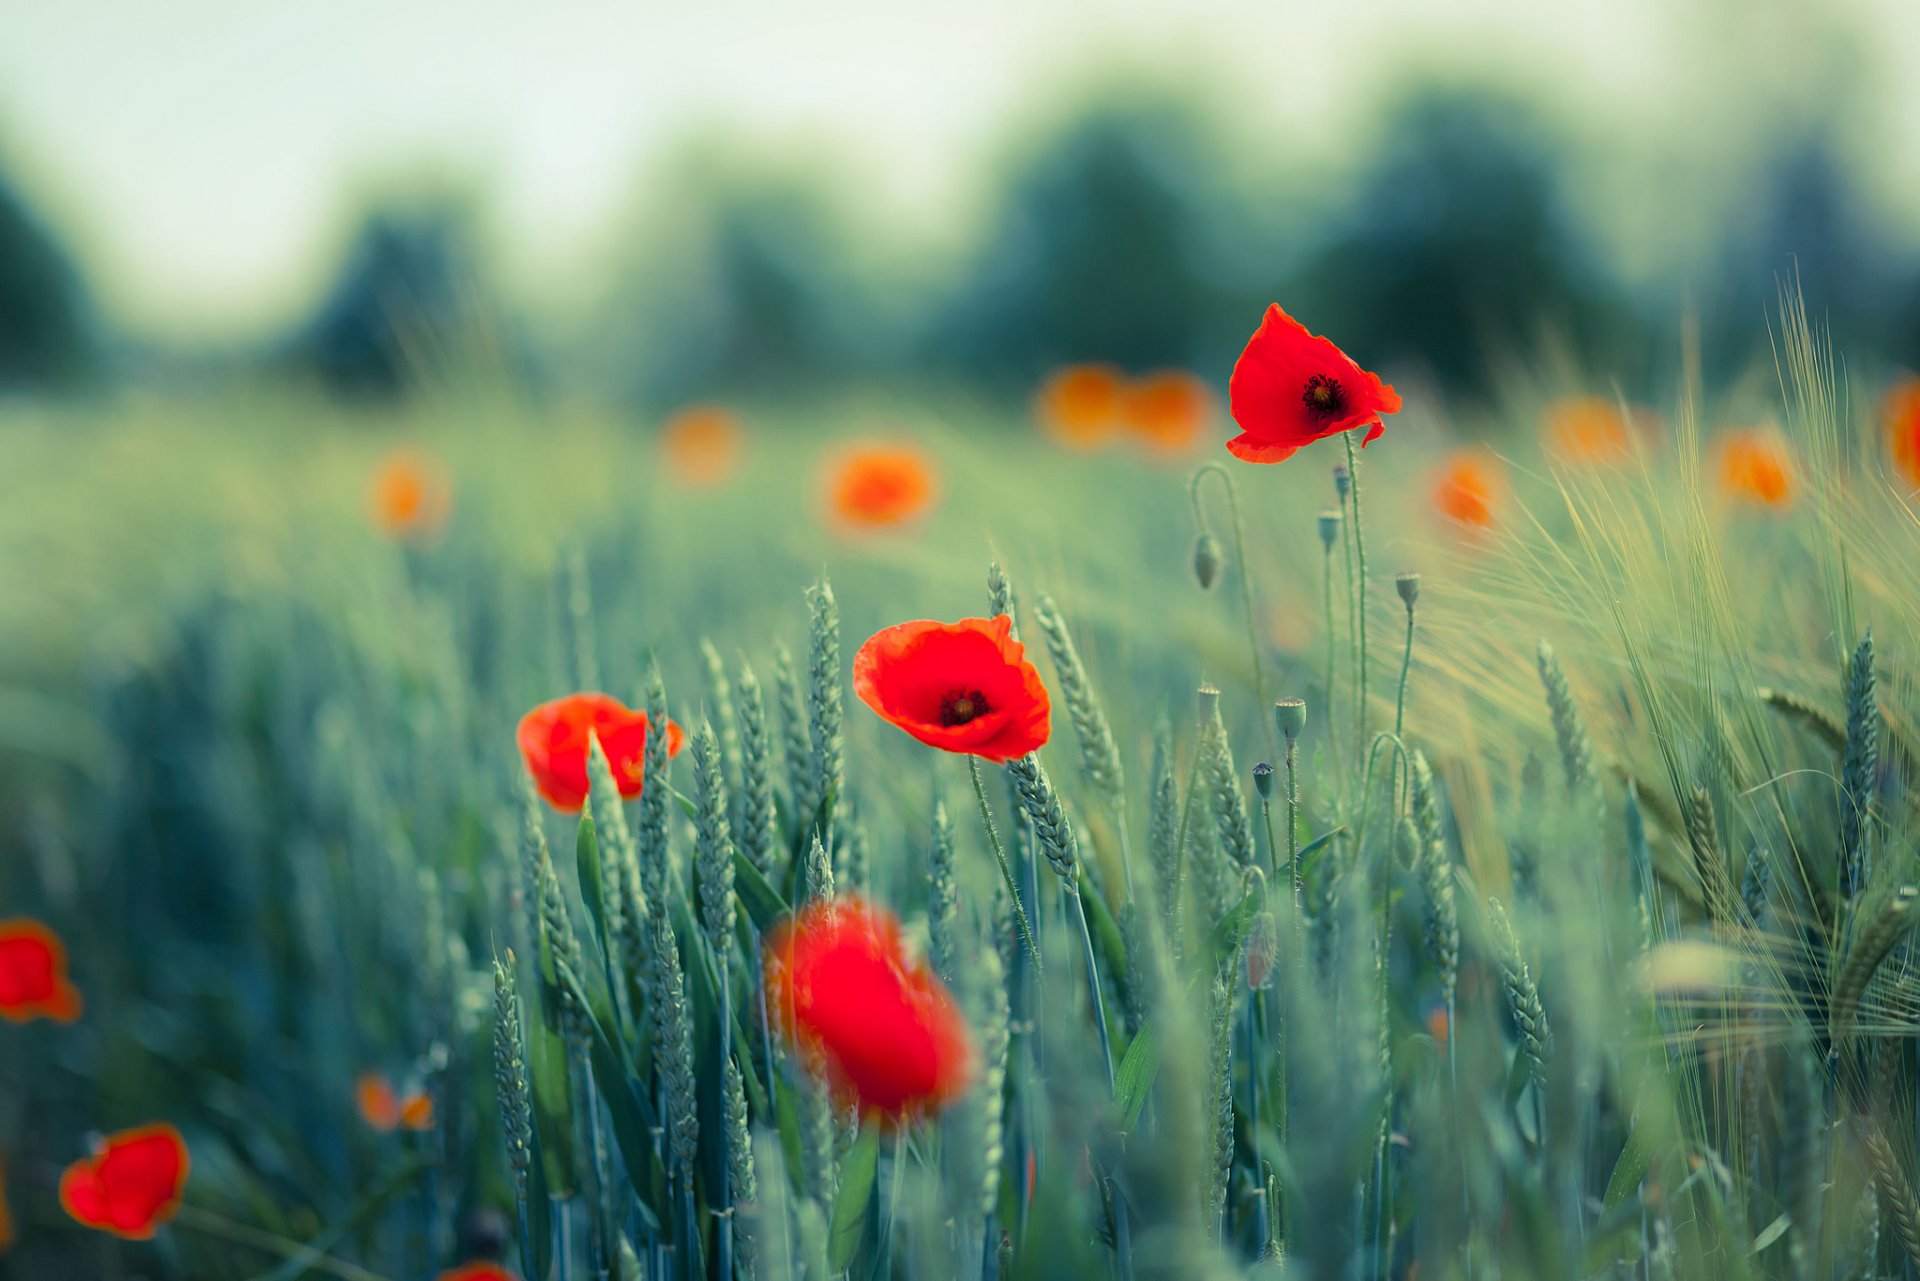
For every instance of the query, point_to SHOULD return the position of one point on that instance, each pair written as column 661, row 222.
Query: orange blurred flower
column 1471, row 487
column 1593, row 429
column 1081, row 406
column 1900, row 415
column 131, row 1184
column 873, row 1020
column 382, row 1107
column 478, row 1272
column 876, row 486
column 33, row 975
column 701, row 445
column 1168, row 412
column 1755, row 467
column 1437, row 1025
column 410, row 496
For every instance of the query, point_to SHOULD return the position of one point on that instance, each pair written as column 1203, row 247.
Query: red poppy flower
column 1082, row 406
column 1593, row 429
column 478, row 1272
column 873, row 487
column 964, row 687
column 874, row 1021
column 33, row 975
column 1755, row 468
column 1469, row 490
column 382, row 1107
column 131, row 1184
column 553, row 741
column 410, row 495
column 1901, row 421
column 702, row 445
column 1168, row 411
column 1290, row 388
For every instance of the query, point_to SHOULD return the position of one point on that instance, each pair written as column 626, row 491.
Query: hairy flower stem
column 1000, row 855
column 1246, row 578
column 1359, row 596
column 1333, row 666
column 1406, row 665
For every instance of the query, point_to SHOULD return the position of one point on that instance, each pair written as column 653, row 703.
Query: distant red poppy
column 1290, row 388
column 1082, row 406
column 33, row 975
column 553, row 741
column 131, row 1184
column 874, row 487
column 874, row 1021
column 964, row 687
column 478, row 1272
column 1900, row 415
column 382, row 1107
column 410, row 495
column 1593, row 429
column 701, row 445
column 1470, row 488
column 1755, row 468
column 1168, row 412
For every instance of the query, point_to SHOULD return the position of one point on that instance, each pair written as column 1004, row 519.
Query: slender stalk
column 1122, row 1230
column 1000, row 856
column 1406, row 664
column 1360, row 584
column 1240, row 560
column 1333, row 667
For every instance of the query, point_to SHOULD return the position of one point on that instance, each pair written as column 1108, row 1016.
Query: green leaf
column 1107, row 932
column 1133, row 1079
column 1771, row 1233
column 1225, row 940
column 536, row 1250
column 1629, row 1169
column 586, row 854
column 763, row 902
column 856, row 1189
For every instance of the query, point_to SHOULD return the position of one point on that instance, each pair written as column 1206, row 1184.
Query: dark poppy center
column 961, row 706
column 1323, row 396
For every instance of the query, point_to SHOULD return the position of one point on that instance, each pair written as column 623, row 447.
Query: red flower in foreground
column 1291, row 388
column 875, row 1022
column 478, row 1272
column 963, row 687
column 33, row 975
column 131, row 1184
column 553, row 740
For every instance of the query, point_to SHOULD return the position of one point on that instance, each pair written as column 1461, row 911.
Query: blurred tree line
column 1133, row 231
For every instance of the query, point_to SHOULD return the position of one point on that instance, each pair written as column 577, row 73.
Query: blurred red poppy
column 702, row 445
column 1900, row 415
column 964, row 687
column 553, row 740
column 478, row 1272
column 1755, row 468
column 410, row 496
column 33, row 975
column 1168, row 412
column 1082, row 406
column 1470, row 488
column 1593, row 429
column 382, row 1107
column 132, row 1183
column 1291, row 387
column 874, row 1021
column 873, row 487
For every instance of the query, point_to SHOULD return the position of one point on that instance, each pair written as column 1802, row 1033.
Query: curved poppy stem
column 1006, row 868
column 1333, row 661
column 1359, row 590
column 1240, row 559
column 1406, row 665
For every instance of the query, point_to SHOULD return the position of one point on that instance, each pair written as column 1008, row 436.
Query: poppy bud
column 1290, row 714
column 1342, row 481
column 1329, row 528
column 1263, row 780
column 1407, row 583
column 1263, row 947
column 1208, row 557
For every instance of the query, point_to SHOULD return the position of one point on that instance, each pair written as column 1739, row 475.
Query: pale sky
column 200, row 153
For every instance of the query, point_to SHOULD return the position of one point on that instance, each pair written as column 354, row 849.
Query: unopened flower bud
column 1263, row 780
column 1263, row 948
column 1329, row 528
column 1290, row 714
column 1342, row 481
column 1407, row 584
column 1208, row 557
